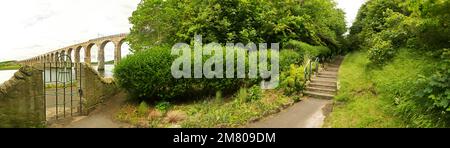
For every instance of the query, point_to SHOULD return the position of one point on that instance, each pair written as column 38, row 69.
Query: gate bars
column 63, row 70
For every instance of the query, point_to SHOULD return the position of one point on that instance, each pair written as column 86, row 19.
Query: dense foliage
column 306, row 29
column 147, row 74
column 316, row 22
column 385, row 26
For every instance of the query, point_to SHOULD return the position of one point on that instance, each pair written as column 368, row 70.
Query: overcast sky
column 351, row 8
column 33, row 27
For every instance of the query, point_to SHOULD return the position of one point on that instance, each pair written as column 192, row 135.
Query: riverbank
column 9, row 65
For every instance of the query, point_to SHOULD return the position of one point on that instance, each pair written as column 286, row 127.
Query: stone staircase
column 324, row 84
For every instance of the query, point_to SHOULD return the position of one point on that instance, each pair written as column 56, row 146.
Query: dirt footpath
column 102, row 117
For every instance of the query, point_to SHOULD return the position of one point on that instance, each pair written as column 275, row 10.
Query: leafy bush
column 288, row 57
column 296, row 98
column 433, row 28
column 381, row 52
column 254, row 93
column 397, row 30
column 295, row 45
column 308, row 50
column 146, row 74
column 437, row 90
column 399, row 21
column 322, row 51
column 437, row 87
column 162, row 106
column 293, row 80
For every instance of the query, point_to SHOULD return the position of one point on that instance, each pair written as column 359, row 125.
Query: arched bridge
column 101, row 42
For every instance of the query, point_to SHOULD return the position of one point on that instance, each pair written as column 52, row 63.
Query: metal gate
column 62, row 88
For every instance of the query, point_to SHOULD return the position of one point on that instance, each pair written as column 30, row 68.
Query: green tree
column 316, row 22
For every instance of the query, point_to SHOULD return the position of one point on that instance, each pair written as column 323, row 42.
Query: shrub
column 296, row 98
column 254, row 93
column 437, row 90
column 322, row 51
column 249, row 94
column 381, row 51
column 288, row 57
column 293, row 81
column 302, row 48
column 295, row 45
column 437, row 87
column 146, row 74
column 306, row 49
column 163, row 106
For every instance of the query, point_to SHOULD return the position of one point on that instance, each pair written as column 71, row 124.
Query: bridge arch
column 56, row 55
column 89, row 55
column 52, row 56
column 80, row 54
column 119, row 52
column 62, row 56
column 70, row 52
column 107, row 52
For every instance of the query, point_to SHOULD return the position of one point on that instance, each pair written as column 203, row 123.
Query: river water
column 5, row 75
column 108, row 73
column 64, row 75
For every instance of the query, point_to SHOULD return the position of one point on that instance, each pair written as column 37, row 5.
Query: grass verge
column 368, row 95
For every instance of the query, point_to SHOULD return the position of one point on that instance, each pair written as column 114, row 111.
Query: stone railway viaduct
column 101, row 42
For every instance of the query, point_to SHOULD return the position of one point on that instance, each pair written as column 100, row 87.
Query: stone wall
column 96, row 89
column 22, row 99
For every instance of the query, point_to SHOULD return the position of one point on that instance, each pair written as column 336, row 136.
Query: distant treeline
column 9, row 65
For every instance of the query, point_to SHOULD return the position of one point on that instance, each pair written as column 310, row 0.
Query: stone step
column 324, row 81
column 333, row 69
column 322, row 85
column 319, row 95
column 328, row 73
column 327, row 76
column 321, row 90
column 332, row 65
